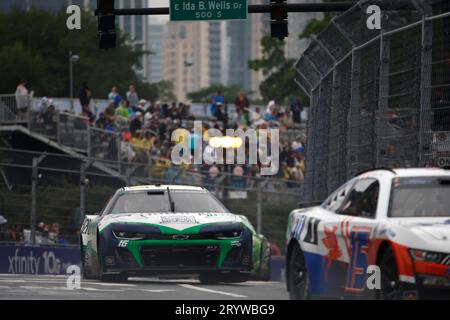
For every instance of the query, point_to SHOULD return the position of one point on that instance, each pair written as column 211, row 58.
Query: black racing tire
column 264, row 271
column 84, row 274
column 298, row 278
column 120, row 277
column 390, row 281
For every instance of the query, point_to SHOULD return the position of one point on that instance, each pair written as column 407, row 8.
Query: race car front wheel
column 390, row 284
column 120, row 277
column 298, row 279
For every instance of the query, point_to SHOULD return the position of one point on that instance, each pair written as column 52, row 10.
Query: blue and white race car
column 391, row 227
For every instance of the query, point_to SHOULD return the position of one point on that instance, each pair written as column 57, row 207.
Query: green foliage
column 278, row 71
column 313, row 27
column 205, row 95
column 35, row 47
column 165, row 90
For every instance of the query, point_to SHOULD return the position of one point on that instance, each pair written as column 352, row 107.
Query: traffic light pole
column 252, row 8
column 278, row 10
column 265, row 8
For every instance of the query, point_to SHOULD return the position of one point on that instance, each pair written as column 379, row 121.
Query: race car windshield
column 420, row 197
column 158, row 202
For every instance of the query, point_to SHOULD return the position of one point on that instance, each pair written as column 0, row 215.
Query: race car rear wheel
column 264, row 270
column 390, row 284
column 298, row 279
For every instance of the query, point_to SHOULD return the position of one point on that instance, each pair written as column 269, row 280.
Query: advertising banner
column 37, row 260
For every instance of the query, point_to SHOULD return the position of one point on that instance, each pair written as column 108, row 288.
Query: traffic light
column 278, row 19
column 106, row 24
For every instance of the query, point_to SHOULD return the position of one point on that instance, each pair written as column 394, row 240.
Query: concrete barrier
column 278, row 269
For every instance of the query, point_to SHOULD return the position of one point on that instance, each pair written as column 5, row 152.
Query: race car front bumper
column 177, row 256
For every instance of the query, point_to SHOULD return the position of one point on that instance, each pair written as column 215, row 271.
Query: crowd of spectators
column 145, row 130
column 46, row 234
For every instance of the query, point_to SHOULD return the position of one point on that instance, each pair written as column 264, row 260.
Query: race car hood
column 426, row 233
column 178, row 220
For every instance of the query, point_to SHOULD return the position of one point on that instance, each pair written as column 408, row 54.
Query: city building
column 194, row 55
column 156, row 35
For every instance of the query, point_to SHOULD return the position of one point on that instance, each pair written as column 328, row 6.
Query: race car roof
column 163, row 187
column 408, row 172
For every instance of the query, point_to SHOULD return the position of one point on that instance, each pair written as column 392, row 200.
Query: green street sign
column 197, row 10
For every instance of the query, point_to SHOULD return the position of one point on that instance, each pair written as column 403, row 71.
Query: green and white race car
column 170, row 229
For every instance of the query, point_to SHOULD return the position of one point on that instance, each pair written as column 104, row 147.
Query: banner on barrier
column 37, row 260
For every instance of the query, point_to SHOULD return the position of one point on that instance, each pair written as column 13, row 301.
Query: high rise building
column 193, row 55
column 239, row 43
column 156, row 35
column 181, row 62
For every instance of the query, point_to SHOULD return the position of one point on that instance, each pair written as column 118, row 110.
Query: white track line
column 188, row 286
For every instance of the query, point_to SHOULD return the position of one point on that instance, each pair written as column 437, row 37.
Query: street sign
column 197, row 10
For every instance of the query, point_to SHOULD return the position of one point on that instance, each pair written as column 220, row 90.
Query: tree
column 18, row 62
column 204, row 95
column 35, row 47
column 279, row 72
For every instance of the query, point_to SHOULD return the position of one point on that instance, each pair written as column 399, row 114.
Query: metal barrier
column 59, row 190
column 14, row 109
column 378, row 97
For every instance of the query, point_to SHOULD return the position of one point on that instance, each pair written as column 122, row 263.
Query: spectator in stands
column 49, row 119
column 122, row 110
column 132, row 96
column 217, row 99
column 142, row 106
column 22, row 99
column 220, row 113
column 113, row 94
column 110, row 114
column 296, row 109
column 286, row 120
column 256, row 116
column 126, row 151
column 241, row 102
column 244, row 118
column 85, row 95
column 136, row 123
column 117, row 100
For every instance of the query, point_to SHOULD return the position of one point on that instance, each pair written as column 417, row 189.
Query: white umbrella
column 3, row 220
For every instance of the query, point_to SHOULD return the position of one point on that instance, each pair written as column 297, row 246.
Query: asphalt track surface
column 29, row 287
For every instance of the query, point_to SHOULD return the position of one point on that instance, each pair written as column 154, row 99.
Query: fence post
column 383, row 100
column 58, row 127
column 34, row 180
column 354, row 102
column 425, row 145
column 83, row 182
column 89, row 139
